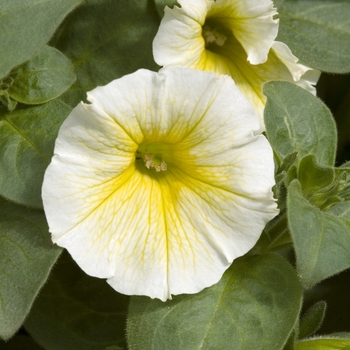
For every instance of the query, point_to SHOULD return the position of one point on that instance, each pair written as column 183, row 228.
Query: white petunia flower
column 233, row 37
column 160, row 183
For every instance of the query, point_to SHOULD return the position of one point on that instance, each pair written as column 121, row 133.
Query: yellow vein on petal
column 104, row 200
column 179, row 220
column 167, row 237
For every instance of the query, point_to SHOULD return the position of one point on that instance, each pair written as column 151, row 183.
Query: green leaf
column 318, row 33
column 314, row 177
column 7, row 101
column 254, row 306
column 296, row 121
column 278, row 3
column 340, row 335
column 105, row 40
column 274, row 237
column 160, row 4
column 346, row 165
column 321, row 184
column 343, row 178
column 43, row 78
column 312, row 320
column 341, row 209
column 27, row 255
column 321, row 240
column 26, row 147
column 75, row 311
column 26, row 26
column 323, row 343
column 284, row 171
column 287, row 162
column 290, row 344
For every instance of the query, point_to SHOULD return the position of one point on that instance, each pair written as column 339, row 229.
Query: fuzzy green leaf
column 75, row 311
column 26, row 26
column 26, row 147
column 254, row 306
column 274, row 237
column 321, row 184
column 321, row 240
column 27, row 255
column 341, row 209
column 312, row 320
column 318, row 33
column 278, row 3
column 43, row 78
column 105, row 40
column 314, row 177
column 297, row 121
column 6, row 100
column 324, row 343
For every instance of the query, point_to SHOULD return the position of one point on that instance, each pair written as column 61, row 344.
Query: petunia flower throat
column 152, row 155
column 213, row 36
column 160, row 182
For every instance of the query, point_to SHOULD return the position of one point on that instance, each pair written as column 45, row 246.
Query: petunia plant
column 174, row 175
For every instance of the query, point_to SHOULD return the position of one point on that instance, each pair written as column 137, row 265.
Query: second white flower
column 233, row 37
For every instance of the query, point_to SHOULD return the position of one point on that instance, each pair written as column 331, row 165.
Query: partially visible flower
column 160, row 183
column 233, row 37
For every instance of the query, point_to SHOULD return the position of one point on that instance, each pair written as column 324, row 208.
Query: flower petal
column 251, row 22
column 179, row 40
column 250, row 78
column 297, row 70
column 171, row 232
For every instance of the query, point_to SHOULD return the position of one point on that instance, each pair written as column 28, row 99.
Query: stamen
column 153, row 161
column 213, row 36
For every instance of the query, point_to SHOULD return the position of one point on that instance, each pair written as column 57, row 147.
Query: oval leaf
column 26, row 146
column 43, row 78
column 321, row 241
column 254, row 306
column 296, row 121
column 318, row 33
column 75, row 311
column 26, row 26
column 27, row 255
column 312, row 319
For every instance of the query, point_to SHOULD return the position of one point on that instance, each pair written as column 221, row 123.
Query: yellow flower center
column 213, row 36
column 153, row 156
